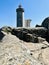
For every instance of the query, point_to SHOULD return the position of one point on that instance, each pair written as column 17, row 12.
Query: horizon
column 35, row 10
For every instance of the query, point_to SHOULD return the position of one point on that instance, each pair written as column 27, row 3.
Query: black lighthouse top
column 20, row 9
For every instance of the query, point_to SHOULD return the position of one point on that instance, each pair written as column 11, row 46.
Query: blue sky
column 36, row 10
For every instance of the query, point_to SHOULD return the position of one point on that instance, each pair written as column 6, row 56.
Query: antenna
column 20, row 5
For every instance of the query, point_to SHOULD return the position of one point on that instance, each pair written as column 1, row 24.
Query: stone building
column 20, row 18
column 27, row 23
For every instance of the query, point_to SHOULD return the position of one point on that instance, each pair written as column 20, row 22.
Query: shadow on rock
column 1, row 35
column 24, row 35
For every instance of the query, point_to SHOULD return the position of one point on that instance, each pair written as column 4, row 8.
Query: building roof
column 20, row 9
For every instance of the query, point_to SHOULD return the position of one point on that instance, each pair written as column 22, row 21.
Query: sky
column 36, row 10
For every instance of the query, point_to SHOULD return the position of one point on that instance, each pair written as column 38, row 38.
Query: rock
column 45, row 23
column 6, row 29
column 1, row 35
column 10, row 59
column 40, row 39
column 45, row 56
column 12, row 52
column 17, row 33
column 47, row 35
column 38, row 25
column 29, row 35
column 34, row 39
column 40, row 31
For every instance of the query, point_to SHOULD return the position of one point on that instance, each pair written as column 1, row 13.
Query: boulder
column 45, row 23
column 30, row 34
column 47, row 36
column 38, row 25
column 40, row 31
column 40, row 39
column 1, row 35
column 17, row 33
column 6, row 29
column 28, row 37
column 34, row 39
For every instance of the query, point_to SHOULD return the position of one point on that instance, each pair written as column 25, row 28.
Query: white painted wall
column 23, row 20
column 27, row 23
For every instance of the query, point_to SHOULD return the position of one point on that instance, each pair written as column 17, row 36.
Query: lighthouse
column 20, row 16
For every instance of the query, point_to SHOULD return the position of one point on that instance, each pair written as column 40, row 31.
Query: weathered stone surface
column 6, row 29
column 1, row 35
column 45, row 23
column 40, row 39
column 38, row 25
column 14, row 51
column 30, row 34
column 17, row 33
column 45, row 56
column 47, row 36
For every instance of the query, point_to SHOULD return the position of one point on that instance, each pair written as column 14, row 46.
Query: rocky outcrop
column 6, row 29
column 1, row 35
column 47, row 35
column 30, row 34
column 18, row 46
column 45, row 23
column 14, row 51
column 40, row 39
